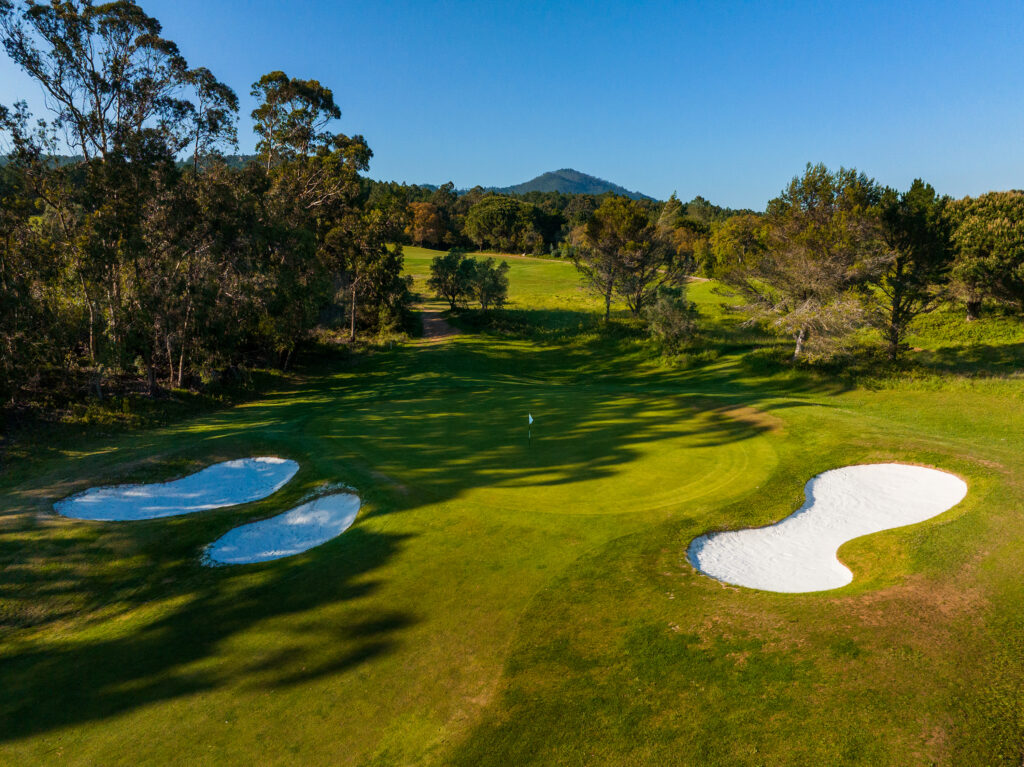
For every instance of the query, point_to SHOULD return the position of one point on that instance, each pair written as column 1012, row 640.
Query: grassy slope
column 499, row 603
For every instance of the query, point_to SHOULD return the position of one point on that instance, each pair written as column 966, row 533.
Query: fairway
column 509, row 599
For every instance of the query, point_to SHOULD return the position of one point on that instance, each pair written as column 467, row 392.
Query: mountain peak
column 570, row 181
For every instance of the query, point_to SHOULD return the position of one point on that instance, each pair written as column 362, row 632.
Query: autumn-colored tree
column 426, row 226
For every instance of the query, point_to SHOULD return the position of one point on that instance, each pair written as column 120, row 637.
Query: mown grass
column 501, row 601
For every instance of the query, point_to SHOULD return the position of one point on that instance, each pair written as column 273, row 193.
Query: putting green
column 591, row 452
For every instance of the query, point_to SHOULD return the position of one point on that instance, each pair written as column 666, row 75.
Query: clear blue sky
column 723, row 99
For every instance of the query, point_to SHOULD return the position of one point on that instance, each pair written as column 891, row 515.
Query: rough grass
column 500, row 601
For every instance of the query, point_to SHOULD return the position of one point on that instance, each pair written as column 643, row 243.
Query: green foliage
column 917, row 234
column 490, row 283
column 458, row 278
column 451, row 277
column 672, row 320
column 505, row 224
column 127, row 261
column 823, row 244
column 989, row 238
column 622, row 252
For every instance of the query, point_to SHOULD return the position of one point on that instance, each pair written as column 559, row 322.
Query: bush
column 671, row 319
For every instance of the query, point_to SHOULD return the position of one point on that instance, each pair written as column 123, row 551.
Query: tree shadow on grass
column 51, row 683
column 976, row 359
column 103, row 618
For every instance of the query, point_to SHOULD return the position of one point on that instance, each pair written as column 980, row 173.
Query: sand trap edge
column 776, row 551
column 120, row 502
column 290, row 533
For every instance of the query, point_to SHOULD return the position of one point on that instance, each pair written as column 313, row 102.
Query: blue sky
column 724, row 99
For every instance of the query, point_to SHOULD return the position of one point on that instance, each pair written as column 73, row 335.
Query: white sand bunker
column 285, row 535
column 224, row 484
column 798, row 554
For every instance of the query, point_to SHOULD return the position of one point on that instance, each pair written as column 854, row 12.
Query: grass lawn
column 504, row 602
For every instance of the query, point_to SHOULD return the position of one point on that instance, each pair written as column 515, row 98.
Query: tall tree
column 426, row 226
column 291, row 117
column 623, row 252
column 106, row 71
column 823, row 244
column 917, row 234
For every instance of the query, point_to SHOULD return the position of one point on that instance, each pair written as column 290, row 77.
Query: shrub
column 671, row 319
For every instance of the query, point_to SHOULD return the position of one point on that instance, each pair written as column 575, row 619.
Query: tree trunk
column 184, row 342
column 607, row 306
column 893, row 351
column 170, row 362
column 973, row 310
column 801, row 337
column 352, row 326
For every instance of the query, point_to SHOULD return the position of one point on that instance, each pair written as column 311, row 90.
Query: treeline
column 834, row 254
column 124, row 260
column 837, row 253
column 537, row 223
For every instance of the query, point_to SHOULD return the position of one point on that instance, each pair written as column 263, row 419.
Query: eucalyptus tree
column 125, row 100
column 291, row 117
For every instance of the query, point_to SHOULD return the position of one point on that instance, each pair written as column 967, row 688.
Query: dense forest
column 135, row 242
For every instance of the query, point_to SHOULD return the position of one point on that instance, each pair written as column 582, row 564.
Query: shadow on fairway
column 54, row 684
column 978, row 359
column 116, row 617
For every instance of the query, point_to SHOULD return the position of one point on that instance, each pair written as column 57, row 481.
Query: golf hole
column 223, row 484
column 287, row 534
column 798, row 554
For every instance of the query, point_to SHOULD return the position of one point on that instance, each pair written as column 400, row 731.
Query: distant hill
column 569, row 181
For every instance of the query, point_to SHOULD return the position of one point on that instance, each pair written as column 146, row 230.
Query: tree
column 989, row 240
column 452, row 277
column 214, row 116
column 426, row 227
column 739, row 242
column 917, row 234
column 291, row 116
column 500, row 222
column 672, row 213
column 671, row 319
column 823, row 243
column 621, row 251
column 490, row 283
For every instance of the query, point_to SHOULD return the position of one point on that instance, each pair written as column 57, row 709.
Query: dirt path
column 435, row 327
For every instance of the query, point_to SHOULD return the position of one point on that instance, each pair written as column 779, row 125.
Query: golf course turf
column 500, row 601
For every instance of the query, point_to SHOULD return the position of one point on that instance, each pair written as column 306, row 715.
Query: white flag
column 530, row 417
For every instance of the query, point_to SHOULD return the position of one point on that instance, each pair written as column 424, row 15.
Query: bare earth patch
column 435, row 326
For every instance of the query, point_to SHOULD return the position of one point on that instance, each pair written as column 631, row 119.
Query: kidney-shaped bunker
column 223, row 484
column 799, row 553
column 287, row 534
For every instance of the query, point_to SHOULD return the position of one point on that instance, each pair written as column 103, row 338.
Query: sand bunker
column 798, row 554
column 223, row 484
column 293, row 532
